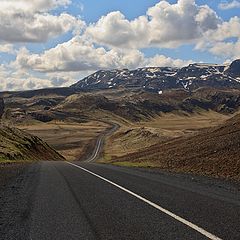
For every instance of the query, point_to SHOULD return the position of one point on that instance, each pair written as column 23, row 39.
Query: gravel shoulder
column 18, row 184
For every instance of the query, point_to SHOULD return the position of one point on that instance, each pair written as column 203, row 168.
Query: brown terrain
column 176, row 130
column 18, row 149
column 71, row 140
column 213, row 152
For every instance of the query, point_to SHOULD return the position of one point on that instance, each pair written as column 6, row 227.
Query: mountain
column 158, row 79
column 132, row 94
column 234, row 69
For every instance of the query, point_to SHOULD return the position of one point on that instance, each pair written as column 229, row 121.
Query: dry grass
column 212, row 152
column 69, row 139
column 175, row 125
column 134, row 137
column 18, row 145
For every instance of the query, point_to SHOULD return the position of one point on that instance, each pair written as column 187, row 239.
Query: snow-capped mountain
column 158, row 79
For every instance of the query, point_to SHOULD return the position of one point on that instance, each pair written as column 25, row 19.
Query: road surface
column 81, row 201
column 57, row 200
column 100, row 141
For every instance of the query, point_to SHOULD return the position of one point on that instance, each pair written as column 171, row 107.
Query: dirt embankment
column 214, row 152
column 18, row 150
column 17, row 145
column 1, row 107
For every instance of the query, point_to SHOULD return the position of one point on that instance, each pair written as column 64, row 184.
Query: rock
column 1, row 107
column 157, row 79
column 234, row 69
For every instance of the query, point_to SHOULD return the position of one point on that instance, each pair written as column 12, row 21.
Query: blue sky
column 91, row 11
column 57, row 42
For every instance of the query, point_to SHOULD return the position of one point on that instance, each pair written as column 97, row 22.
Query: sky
column 54, row 43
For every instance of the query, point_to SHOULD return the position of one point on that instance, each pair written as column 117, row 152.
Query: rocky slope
column 1, row 107
column 213, row 152
column 144, row 105
column 158, row 79
column 17, row 145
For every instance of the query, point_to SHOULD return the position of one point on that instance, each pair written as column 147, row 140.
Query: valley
column 158, row 128
column 72, row 140
column 119, row 120
column 95, row 148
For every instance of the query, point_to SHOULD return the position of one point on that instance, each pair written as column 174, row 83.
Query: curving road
column 100, row 142
column 82, row 200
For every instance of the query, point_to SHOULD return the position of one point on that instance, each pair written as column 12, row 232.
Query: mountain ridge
column 158, row 79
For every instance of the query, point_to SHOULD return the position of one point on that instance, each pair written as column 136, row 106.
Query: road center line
column 180, row 219
column 96, row 150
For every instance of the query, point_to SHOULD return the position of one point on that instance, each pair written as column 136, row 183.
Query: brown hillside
column 17, row 145
column 214, row 152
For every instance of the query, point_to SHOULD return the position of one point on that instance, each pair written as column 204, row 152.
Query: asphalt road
column 57, row 200
column 100, row 141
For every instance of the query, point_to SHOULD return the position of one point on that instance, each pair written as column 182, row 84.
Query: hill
column 121, row 103
column 213, row 152
column 17, row 145
column 2, row 106
column 139, row 106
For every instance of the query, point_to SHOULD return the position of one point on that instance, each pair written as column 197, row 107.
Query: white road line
column 96, row 150
column 180, row 219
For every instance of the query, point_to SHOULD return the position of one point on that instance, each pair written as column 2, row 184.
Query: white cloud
column 224, row 41
column 163, row 61
column 116, row 31
column 229, row 5
column 226, row 49
column 81, row 55
column 112, row 42
column 13, row 79
column 7, row 48
column 30, row 20
column 226, row 30
column 77, row 55
column 33, row 6
column 164, row 25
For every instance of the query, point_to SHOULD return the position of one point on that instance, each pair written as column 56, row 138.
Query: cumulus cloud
column 30, row 20
column 111, row 42
column 7, row 48
column 224, row 41
column 164, row 25
column 226, row 30
column 31, row 5
column 79, row 54
column 226, row 49
column 13, row 79
column 115, row 30
column 163, row 61
column 229, row 5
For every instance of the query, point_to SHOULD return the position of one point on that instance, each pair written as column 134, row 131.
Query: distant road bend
column 100, row 141
column 86, row 200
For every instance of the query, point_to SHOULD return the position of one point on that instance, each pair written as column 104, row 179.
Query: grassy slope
column 17, row 145
column 214, row 152
column 136, row 136
column 70, row 139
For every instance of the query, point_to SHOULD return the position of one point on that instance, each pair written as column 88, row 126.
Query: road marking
column 92, row 158
column 180, row 219
column 99, row 142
